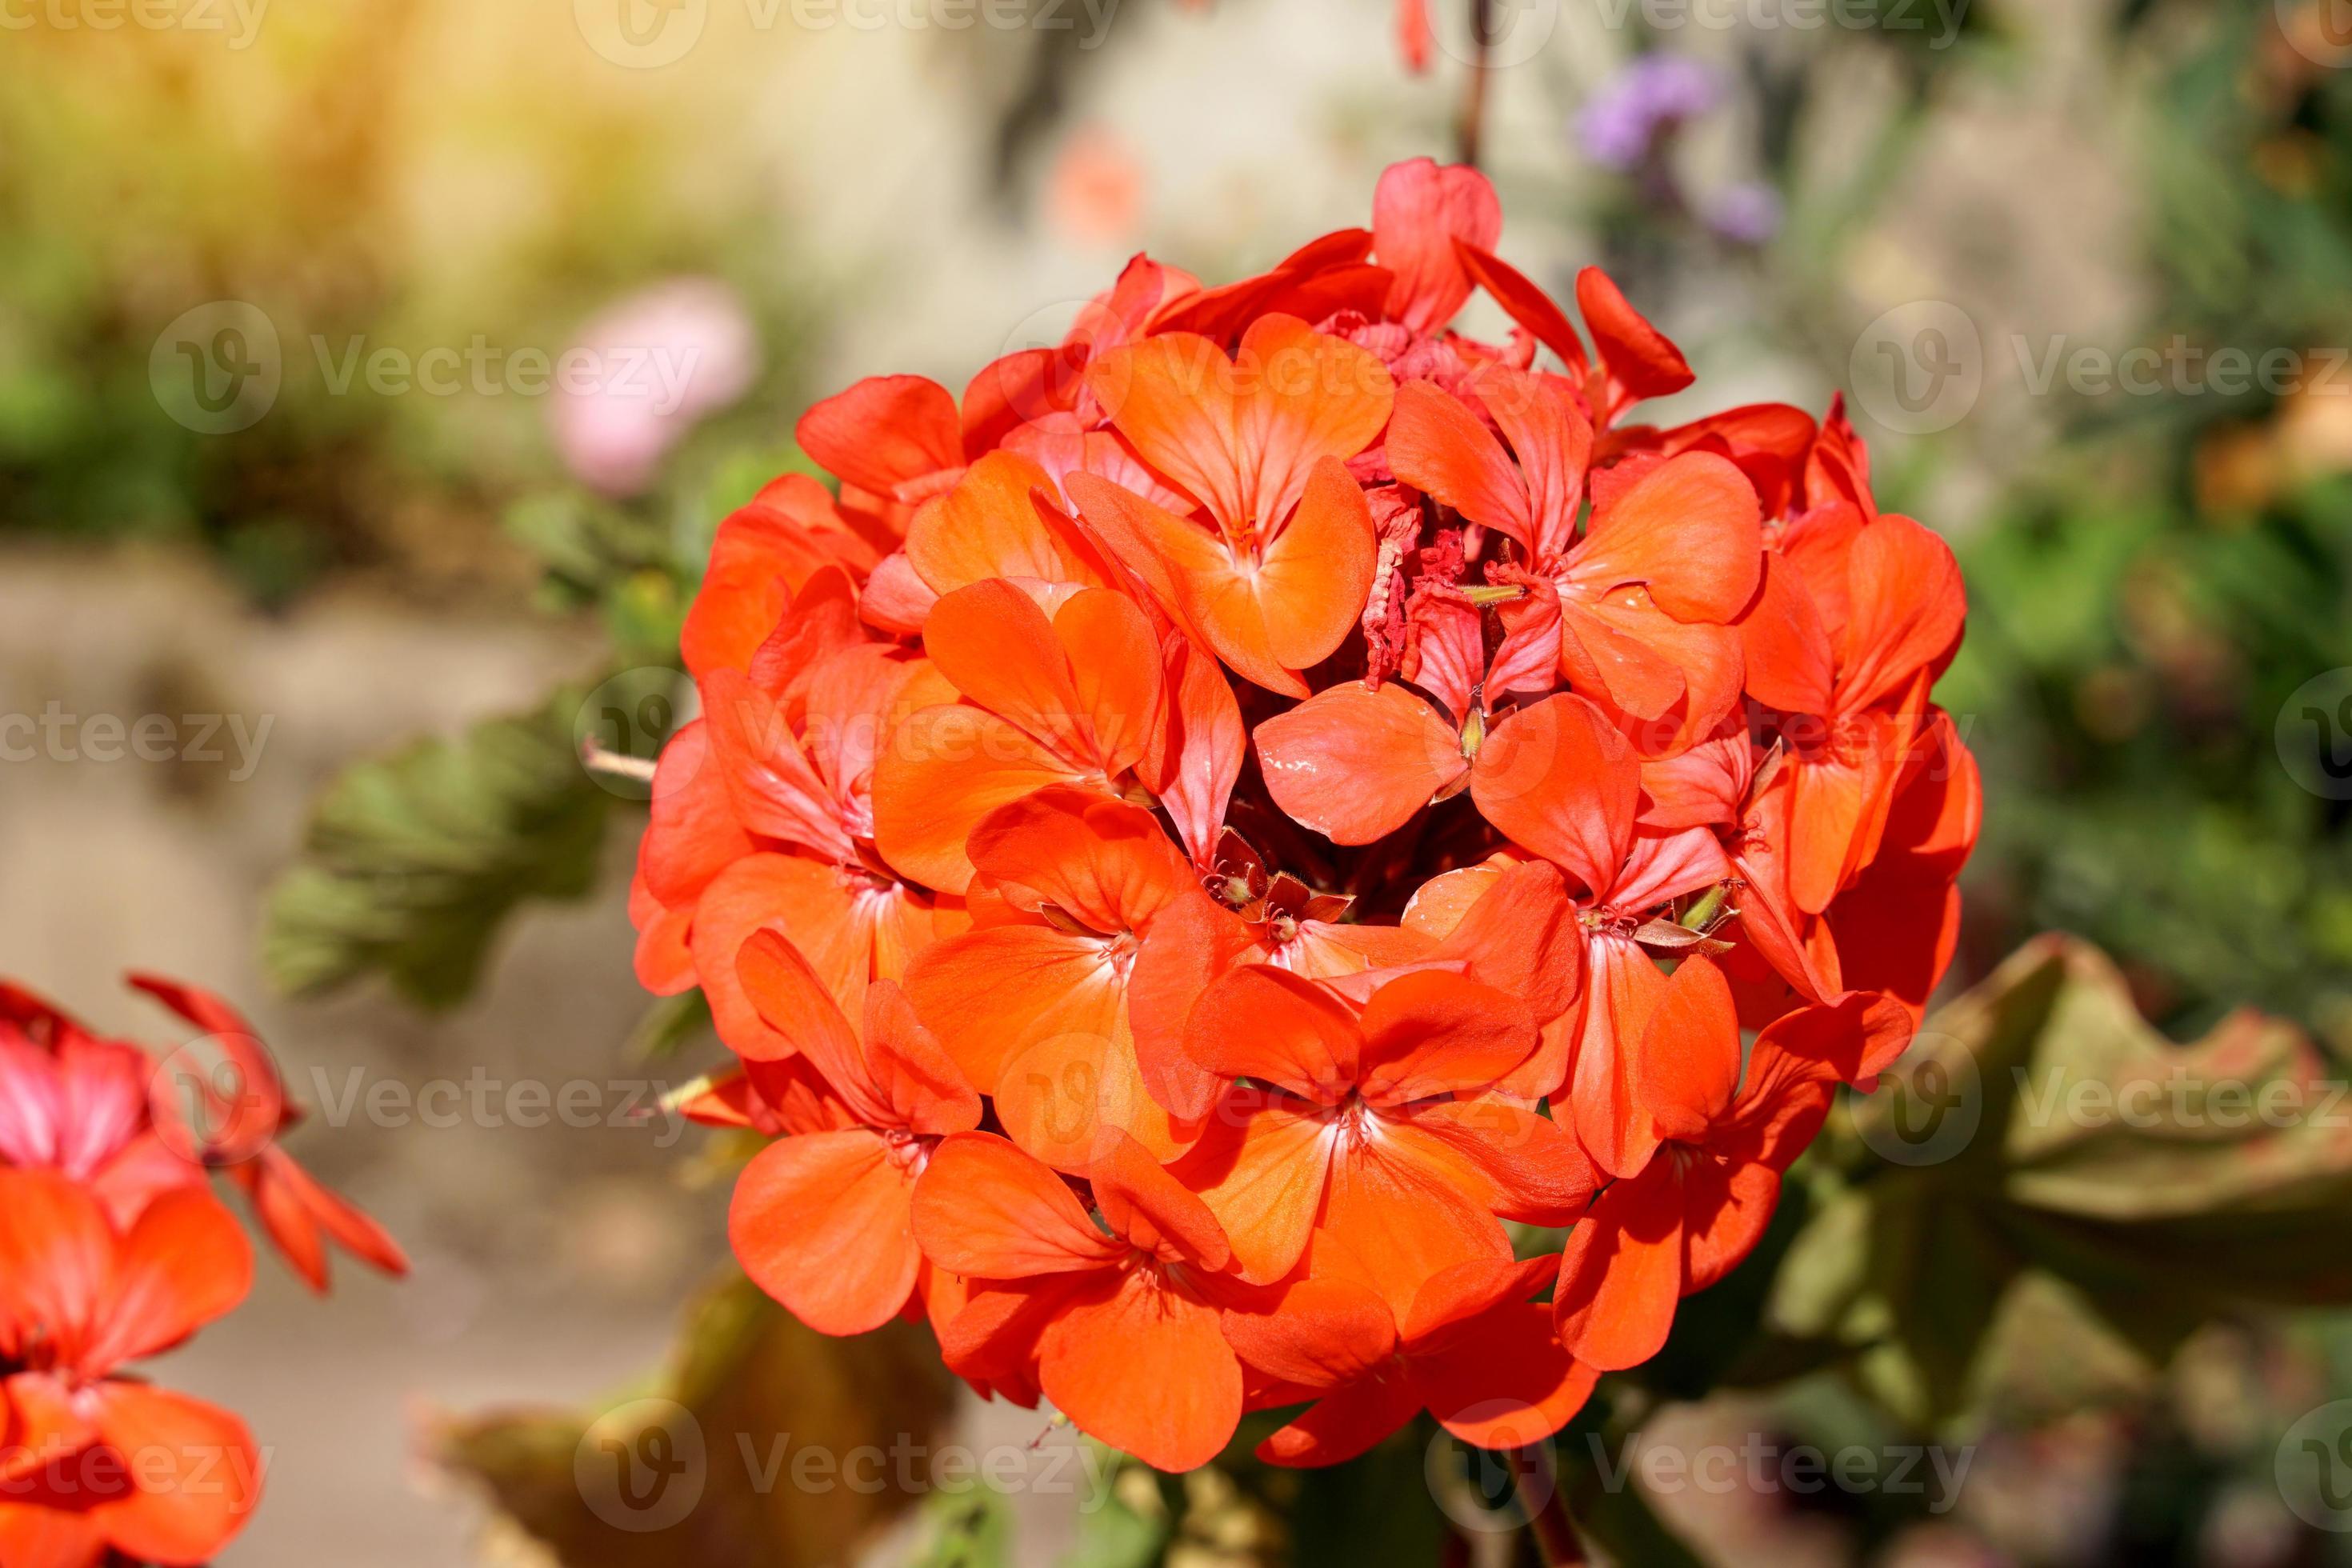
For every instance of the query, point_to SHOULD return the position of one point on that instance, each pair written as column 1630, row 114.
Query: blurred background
column 373, row 375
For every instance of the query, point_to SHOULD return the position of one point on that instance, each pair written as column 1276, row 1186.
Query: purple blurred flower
column 1746, row 214
column 1649, row 96
column 643, row 373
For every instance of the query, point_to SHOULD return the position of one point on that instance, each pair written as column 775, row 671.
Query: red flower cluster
column 1193, row 838
column 112, row 1247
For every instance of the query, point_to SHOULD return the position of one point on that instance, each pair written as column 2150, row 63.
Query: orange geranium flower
column 1279, row 571
column 1849, row 631
column 96, row 1463
column 1320, row 786
column 1374, row 1134
column 1474, row 1351
column 1073, row 695
column 1118, row 1310
column 1699, row 1201
column 822, row 1221
column 1033, row 1002
column 1647, row 597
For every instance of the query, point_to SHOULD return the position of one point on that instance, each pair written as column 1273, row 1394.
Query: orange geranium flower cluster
column 1200, row 837
column 113, row 1247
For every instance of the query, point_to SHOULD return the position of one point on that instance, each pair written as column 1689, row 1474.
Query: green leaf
column 410, row 864
column 1115, row 1532
column 2047, row 1188
column 969, row 1529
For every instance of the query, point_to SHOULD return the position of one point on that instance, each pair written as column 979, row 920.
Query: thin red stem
column 1538, row 1484
column 1473, row 125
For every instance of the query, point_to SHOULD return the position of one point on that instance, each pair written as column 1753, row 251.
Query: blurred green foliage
column 2147, row 599
column 409, row 175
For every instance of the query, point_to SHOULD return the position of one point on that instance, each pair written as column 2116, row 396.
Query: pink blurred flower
column 1094, row 192
column 643, row 373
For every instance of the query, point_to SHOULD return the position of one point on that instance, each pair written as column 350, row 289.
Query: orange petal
column 1265, row 1023
column 1191, row 574
column 1419, row 209
column 943, row 770
column 1141, row 1202
column 1103, row 861
column 1189, row 944
column 1689, row 531
column 1429, row 1032
column 885, row 432
column 791, row 1000
column 1354, row 763
column 1622, row 1274
column 1261, row 1166
column 1639, row 357
column 1344, row 1424
column 1242, row 435
column 1622, row 989
column 775, row 790
column 1511, row 1387
column 1654, row 654
column 987, row 526
column 985, row 1210
column 1148, row 1371
column 1524, row 303
column 1786, row 651
column 1687, row 1063
column 190, row 1474
column 1907, row 608
column 1529, row 1167
column 693, row 834
column 759, row 891
column 1313, row 580
column 993, row 993
column 998, row 648
column 822, row 1222
column 1561, row 781
column 1437, row 446
column 1198, row 756
column 1067, row 1098
column 1521, row 936
column 924, row 1088
column 1323, row 1333
column 1389, row 1225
